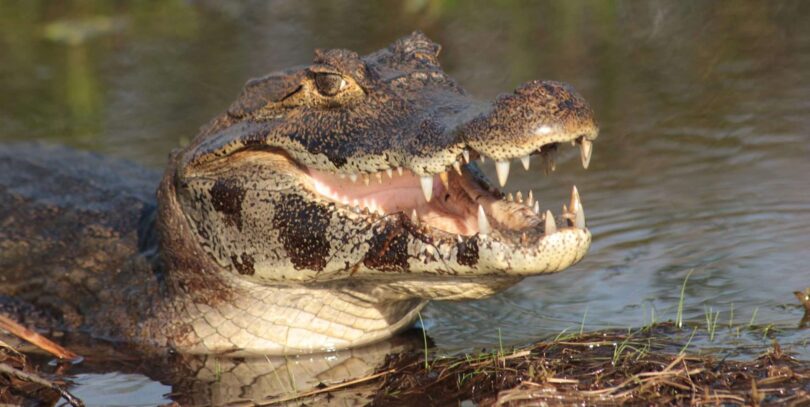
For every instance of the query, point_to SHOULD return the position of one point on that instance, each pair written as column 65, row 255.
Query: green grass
column 582, row 325
column 731, row 316
column 500, row 344
column 753, row 318
column 685, row 346
column 424, row 340
column 711, row 322
column 679, row 317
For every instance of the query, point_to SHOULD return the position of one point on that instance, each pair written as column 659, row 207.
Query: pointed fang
column 466, row 155
column 585, row 150
column 483, row 223
column 579, row 219
column 525, row 161
column 502, row 168
column 457, row 167
column 427, row 186
column 575, row 201
column 444, row 177
column 551, row 226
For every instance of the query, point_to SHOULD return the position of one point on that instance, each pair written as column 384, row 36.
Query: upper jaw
column 458, row 203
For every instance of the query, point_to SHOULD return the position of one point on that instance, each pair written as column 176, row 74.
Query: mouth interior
column 454, row 202
column 452, row 208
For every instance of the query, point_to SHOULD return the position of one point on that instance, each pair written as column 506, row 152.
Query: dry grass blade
column 649, row 370
column 34, row 379
column 36, row 339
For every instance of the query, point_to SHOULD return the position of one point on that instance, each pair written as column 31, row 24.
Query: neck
column 284, row 320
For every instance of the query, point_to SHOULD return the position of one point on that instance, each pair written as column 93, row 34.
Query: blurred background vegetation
column 134, row 77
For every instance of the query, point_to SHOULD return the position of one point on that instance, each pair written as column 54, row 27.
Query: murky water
column 702, row 165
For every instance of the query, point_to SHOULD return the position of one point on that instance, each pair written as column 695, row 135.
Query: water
column 702, row 164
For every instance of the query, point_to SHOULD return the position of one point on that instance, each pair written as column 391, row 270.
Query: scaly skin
column 286, row 227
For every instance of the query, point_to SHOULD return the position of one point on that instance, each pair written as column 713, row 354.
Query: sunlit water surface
column 702, row 166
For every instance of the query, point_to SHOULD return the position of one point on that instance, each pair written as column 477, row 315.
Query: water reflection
column 112, row 375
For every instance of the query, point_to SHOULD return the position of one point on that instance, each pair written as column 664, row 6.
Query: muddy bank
column 644, row 367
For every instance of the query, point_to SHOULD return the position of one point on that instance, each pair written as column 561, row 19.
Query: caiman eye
column 330, row 84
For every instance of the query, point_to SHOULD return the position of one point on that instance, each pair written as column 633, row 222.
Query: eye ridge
column 330, row 84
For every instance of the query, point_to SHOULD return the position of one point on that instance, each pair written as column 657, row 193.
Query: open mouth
column 460, row 201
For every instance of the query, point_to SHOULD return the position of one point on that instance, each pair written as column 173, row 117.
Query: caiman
column 320, row 211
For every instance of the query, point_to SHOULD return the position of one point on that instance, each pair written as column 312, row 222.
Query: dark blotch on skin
column 302, row 229
column 388, row 249
column 227, row 197
column 468, row 252
column 245, row 265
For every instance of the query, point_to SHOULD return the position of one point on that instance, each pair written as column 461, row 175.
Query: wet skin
column 322, row 210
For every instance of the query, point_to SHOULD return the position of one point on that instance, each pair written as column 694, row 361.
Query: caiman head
column 364, row 169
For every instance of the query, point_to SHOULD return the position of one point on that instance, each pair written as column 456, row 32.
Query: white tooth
column 342, row 175
column 459, row 239
column 483, row 223
column 379, row 177
column 519, row 197
column 502, row 168
column 414, row 217
column 399, row 170
column 579, row 219
column 483, row 160
column 466, row 155
column 457, row 167
column 551, row 226
column 525, row 160
column 427, row 186
column 365, row 179
column 575, row 202
column 510, row 197
column 530, row 199
column 353, row 177
column 536, row 207
column 390, row 173
column 585, row 150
